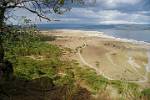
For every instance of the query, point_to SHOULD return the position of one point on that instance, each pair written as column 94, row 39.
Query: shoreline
column 110, row 56
column 101, row 35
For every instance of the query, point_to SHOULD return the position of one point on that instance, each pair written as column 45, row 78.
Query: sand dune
column 111, row 57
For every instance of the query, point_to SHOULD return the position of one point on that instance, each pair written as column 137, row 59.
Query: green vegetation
column 146, row 92
column 97, row 63
column 21, row 49
column 97, row 83
column 36, row 64
column 38, row 67
column 91, row 79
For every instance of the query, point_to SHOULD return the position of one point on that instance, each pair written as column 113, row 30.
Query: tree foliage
column 38, row 7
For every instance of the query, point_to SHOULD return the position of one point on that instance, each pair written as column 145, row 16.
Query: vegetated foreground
column 83, row 68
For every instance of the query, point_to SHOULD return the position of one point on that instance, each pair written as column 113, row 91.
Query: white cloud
column 106, row 16
column 122, row 1
column 118, row 22
column 97, row 14
column 114, row 3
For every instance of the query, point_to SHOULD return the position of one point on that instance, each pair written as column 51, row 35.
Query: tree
column 38, row 7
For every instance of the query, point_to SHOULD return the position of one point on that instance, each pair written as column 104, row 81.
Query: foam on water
column 102, row 34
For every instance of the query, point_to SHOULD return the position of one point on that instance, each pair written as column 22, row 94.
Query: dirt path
column 148, row 65
column 99, row 72
column 134, row 65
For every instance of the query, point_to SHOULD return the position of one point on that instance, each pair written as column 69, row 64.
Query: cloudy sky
column 102, row 12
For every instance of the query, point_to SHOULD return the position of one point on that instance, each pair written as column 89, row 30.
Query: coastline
column 112, row 57
column 98, row 34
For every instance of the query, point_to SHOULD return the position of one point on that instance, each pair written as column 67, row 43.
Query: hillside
column 49, row 67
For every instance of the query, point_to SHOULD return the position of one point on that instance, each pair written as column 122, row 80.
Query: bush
column 146, row 92
column 89, row 76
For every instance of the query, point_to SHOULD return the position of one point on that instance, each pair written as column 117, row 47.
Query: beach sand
column 115, row 59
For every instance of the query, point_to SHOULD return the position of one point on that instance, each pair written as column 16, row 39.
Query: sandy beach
column 114, row 58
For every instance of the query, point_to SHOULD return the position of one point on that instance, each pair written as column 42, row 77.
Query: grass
column 19, row 50
column 90, row 78
column 98, row 84
column 146, row 94
column 37, row 66
column 31, row 69
column 24, row 49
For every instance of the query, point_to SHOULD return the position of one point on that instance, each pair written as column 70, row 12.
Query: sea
column 135, row 32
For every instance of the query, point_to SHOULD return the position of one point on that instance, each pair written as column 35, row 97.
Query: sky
column 101, row 12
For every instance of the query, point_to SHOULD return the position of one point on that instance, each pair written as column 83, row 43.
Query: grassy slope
column 37, row 67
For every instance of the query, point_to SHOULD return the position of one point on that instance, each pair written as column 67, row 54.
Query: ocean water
column 138, row 32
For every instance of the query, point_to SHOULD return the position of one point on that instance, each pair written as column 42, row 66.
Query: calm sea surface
column 134, row 31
